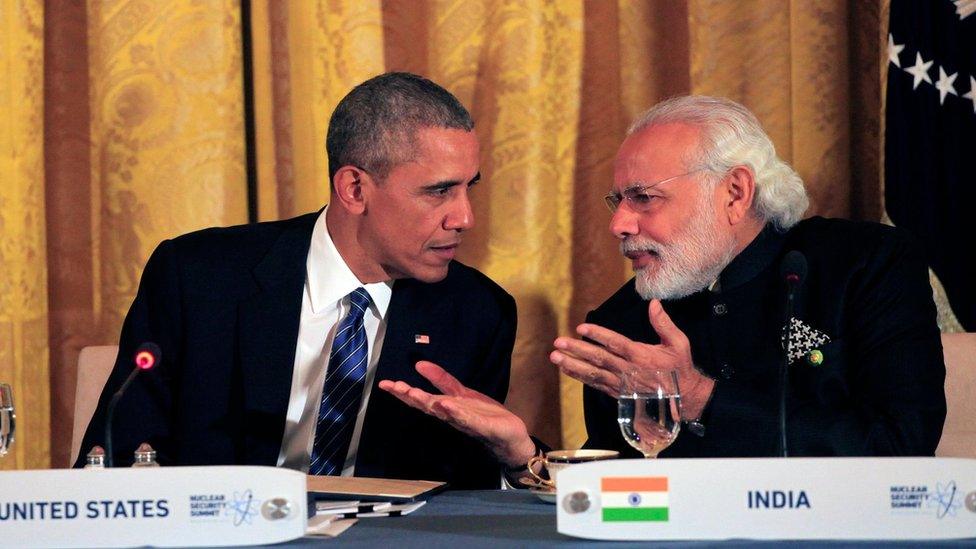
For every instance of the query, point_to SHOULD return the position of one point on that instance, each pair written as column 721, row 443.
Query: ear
column 740, row 188
column 347, row 189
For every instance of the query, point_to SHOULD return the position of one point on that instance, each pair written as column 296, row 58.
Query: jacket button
column 719, row 309
column 727, row 371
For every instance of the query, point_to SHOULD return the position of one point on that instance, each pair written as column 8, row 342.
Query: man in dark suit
column 707, row 213
column 275, row 335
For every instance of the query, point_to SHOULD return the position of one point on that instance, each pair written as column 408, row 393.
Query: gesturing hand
column 602, row 366
column 468, row 411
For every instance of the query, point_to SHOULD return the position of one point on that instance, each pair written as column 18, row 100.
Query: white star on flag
column 972, row 92
column 944, row 85
column 894, row 50
column 920, row 70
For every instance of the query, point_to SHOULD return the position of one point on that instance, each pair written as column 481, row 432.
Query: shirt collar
column 329, row 278
column 755, row 258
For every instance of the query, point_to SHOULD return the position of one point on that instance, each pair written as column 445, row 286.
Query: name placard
column 786, row 499
column 160, row 506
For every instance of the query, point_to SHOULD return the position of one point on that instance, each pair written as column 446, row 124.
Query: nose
column 623, row 222
column 461, row 216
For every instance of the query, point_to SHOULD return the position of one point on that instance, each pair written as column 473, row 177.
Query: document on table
column 371, row 489
column 332, row 520
column 391, row 511
column 355, row 509
column 343, row 507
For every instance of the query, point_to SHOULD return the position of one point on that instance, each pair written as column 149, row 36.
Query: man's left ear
column 740, row 184
column 347, row 189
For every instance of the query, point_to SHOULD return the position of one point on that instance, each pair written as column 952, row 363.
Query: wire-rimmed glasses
column 636, row 195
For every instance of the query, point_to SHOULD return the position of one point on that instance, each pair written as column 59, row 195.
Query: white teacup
column 557, row 460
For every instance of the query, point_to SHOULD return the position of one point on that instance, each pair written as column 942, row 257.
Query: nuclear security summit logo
column 944, row 499
column 241, row 507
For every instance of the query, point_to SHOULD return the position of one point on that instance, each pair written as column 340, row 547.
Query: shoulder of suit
column 836, row 239
column 239, row 242
column 462, row 275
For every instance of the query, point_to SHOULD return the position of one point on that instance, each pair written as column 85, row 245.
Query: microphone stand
column 110, row 411
column 791, row 281
column 147, row 355
column 793, row 270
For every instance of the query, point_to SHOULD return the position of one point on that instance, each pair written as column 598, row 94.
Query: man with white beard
column 707, row 213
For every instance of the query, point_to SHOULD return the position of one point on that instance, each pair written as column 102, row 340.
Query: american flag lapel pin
column 422, row 339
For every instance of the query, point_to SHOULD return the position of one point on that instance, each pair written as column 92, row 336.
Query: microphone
column 793, row 271
column 147, row 355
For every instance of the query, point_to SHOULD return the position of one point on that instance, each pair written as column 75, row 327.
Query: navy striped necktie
column 343, row 390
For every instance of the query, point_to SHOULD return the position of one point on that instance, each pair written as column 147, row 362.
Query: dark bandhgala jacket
column 878, row 390
column 224, row 305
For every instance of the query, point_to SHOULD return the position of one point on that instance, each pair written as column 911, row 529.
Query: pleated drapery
column 23, row 271
column 145, row 141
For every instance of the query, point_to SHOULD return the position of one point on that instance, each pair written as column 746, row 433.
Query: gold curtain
column 303, row 50
column 552, row 86
column 811, row 73
column 145, row 141
column 517, row 66
column 23, row 272
column 137, row 134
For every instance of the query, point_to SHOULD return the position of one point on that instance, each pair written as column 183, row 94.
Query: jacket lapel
column 267, row 336
column 407, row 317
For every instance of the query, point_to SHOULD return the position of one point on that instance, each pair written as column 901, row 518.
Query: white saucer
column 548, row 496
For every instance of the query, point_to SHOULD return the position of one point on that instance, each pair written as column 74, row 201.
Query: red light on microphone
column 145, row 360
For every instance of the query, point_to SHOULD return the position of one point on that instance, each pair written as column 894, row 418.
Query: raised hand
column 602, row 365
column 468, row 411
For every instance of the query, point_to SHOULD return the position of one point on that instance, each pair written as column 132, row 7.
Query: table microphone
column 793, row 271
column 147, row 355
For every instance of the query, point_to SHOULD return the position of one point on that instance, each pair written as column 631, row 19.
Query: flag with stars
column 930, row 138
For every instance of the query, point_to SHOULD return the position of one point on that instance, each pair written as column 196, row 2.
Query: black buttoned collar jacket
column 874, row 389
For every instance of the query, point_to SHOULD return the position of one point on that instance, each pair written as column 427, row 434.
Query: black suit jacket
column 224, row 305
column 879, row 390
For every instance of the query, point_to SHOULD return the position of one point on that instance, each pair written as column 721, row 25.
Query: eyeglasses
column 637, row 195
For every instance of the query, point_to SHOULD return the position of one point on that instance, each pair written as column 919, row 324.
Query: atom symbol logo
column 240, row 507
column 944, row 499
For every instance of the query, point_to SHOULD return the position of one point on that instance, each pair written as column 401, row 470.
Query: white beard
column 692, row 261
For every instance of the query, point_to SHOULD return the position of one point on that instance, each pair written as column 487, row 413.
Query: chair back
column 959, row 433
column 94, row 366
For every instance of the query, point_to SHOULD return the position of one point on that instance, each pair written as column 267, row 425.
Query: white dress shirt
column 328, row 281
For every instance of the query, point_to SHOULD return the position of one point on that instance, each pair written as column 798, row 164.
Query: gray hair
column 375, row 124
column 731, row 136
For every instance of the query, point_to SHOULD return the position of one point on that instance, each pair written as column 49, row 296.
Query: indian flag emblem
column 634, row 499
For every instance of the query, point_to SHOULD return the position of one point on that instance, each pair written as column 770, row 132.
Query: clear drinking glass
column 649, row 410
column 6, row 418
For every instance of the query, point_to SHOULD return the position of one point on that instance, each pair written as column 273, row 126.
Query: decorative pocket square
column 804, row 341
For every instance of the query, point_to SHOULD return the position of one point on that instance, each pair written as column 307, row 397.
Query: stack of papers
column 340, row 501
column 363, row 509
column 371, row 489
